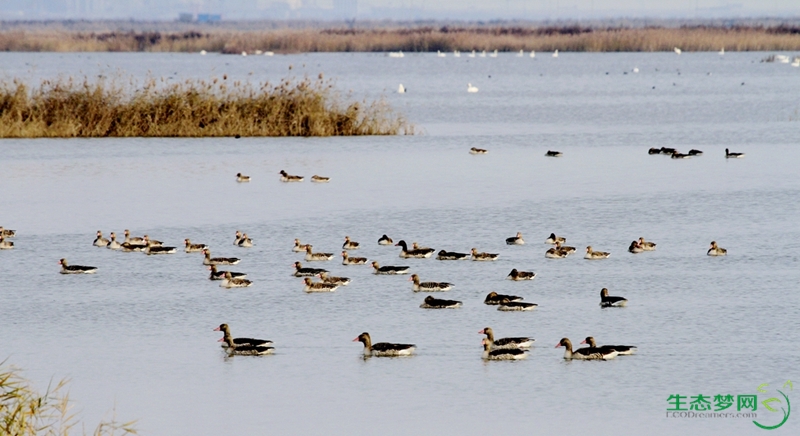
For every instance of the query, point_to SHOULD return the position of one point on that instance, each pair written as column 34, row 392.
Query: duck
column 515, row 306
column 506, row 343
column 318, row 286
column 436, row 303
column 8, row 233
column 647, row 246
column 231, row 282
column 501, row 353
column 246, row 350
column 515, row 240
column 483, row 256
column 383, row 349
column 5, row 245
column 593, row 255
column 622, row 350
column 220, row 275
column 668, row 150
column 320, row 179
column 299, row 271
column 518, row 276
column 654, row 151
column 349, row 245
column 451, row 255
column 240, row 341
column 730, row 155
column 495, row 299
column 159, row 249
column 553, row 153
column 99, row 241
column 695, row 152
column 316, row 256
column 245, row 241
column 218, row 260
column 555, row 253
column 132, row 240
column 553, row 239
column 347, row 260
column 237, row 238
column 290, row 178
column 385, row 240
column 611, row 301
column 475, row 150
column 566, row 249
column 428, row 286
column 389, row 270
column 241, row 178
column 342, row 281
column 76, row 269
column 716, row 251
column 635, row 247
column 113, row 244
column 300, row 248
column 588, row 353
column 421, row 253
column 193, row 248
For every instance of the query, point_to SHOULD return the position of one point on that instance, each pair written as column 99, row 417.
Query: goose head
column 402, row 244
column 307, row 281
column 364, row 339
column 590, row 342
column 564, row 343
column 222, row 328
column 604, row 292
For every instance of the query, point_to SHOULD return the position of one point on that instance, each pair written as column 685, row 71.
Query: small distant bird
column 730, row 155
column 401, row 89
column 471, row 88
column 475, row 150
column 285, row 177
column 555, row 53
column 677, row 50
column 76, row 269
column 242, row 178
column 551, row 153
column 611, row 301
column 716, row 251
column 320, row 179
column 515, row 240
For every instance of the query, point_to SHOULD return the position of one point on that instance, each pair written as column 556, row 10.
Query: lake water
column 137, row 336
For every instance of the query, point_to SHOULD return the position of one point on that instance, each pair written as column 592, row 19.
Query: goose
column 588, row 353
column 493, row 54
column 722, row 52
column 349, row 245
column 730, row 155
column 506, row 343
column 226, row 331
column 533, row 54
column 521, row 275
column 132, row 240
column 451, row 255
column 318, row 286
column 299, row 271
column 347, row 260
column 566, row 249
column 495, row 299
column 396, row 54
column 440, row 54
column 501, row 353
column 316, row 256
column 635, row 69
column 593, row 255
column 415, row 246
column 5, row 245
column 113, row 244
column 389, row 270
column 667, row 150
column 237, row 238
column 611, row 301
column 677, row 155
column 555, row 253
column 76, row 269
column 159, row 249
column 475, row 150
column 716, row 251
column 622, row 350
column 654, row 151
column 130, row 247
column 203, row 52
column 300, row 248
column 555, row 53
column 385, row 240
column 471, row 88
column 436, row 303
column 515, row 306
column 677, row 50
column 383, row 349
column 695, row 152
column 521, row 53
column 245, row 241
column 231, row 282
column 219, row 275
column 472, row 55
column 421, row 253
column 208, row 260
column 193, row 248
column 246, row 350
column 553, row 239
column 342, row 281
column 647, row 246
column 241, row 178
column 8, row 233
column 99, row 241
column 483, row 256
column 428, row 286
column 635, row 247
column 290, row 178
column 152, row 242
column 401, row 89
column 515, row 240
column 552, row 153
column 456, row 54
column 320, row 179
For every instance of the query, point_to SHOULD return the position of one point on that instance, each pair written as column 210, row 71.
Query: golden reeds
column 194, row 108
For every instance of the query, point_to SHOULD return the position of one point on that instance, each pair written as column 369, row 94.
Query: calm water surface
column 137, row 336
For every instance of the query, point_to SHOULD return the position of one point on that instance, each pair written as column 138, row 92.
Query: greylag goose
column 587, row 353
column 230, row 282
column 240, row 341
column 349, row 245
column 310, row 256
column 320, row 179
column 99, row 241
column 730, row 155
column 521, row 275
column 220, row 275
column 237, row 238
column 76, row 269
column 552, row 153
column 246, row 350
column 241, row 178
column 495, row 299
column 428, row 286
column 436, row 303
column 290, row 178
column 385, row 240
column 515, row 306
column 405, row 253
column 695, row 152
column 193, row 248
column 555, row 253
column 113, row 243
column 667, row 150
column 382, row 349
column 646, row 245
column 515, row 240
column 553, row 239
column 501, row 353
column 654, row 151
column 318, row 286
column 506, row 343
column 389, row 270
column 130, row 247
column 245, row 241
column 299, row 271
column 678, row 155
column 483, row 256
column 611, row 301
column 451, row 255
column 160, row 249
column 622, row 350
column 475, row 150
column 208, row 260
column 716, row 251
column 132, row 240
column 635, row 247
column 347, row 260
column 342, row 281
column 592, row 255
column 5, row 245
column 298, row 247
column 151, row 242
column 8, row 233
column 566, row 249
column 415, row 246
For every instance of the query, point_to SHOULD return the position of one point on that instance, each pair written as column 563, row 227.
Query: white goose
column 471, row 88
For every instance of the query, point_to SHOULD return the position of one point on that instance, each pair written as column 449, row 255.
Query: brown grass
column 72, row 108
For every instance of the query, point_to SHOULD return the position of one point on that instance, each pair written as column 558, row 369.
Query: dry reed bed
column 73, row 108
column 415, row 39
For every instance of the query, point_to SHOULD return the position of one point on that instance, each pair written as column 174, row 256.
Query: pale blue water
column 137, row 335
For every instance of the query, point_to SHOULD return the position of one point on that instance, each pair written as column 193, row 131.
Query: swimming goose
column 553, row 239
column 611, row 301
column 492, row 54
column 678, row 155
column 555, row 253
column 471, row 89
column 343, row 281
column 451, row 255
column 318, row 286
column 349, row 245
column 298, row 247
column 405, row 253
column 695, row 152
column 389, row 270
column 654, row 151
column 428, row 286
column 475, row 150
column 647, row 246
column 506, row 343
column 592, row 255
column 501, row 353
column 130, row 247
column 8, row 233
column 635, row 247
column 5, row 245
column 555, row 53
column 208, row 260
column 385, row 240
column 242, row 178
column 193, row 248
column 245, row 241
column 515, row 240
column 730, row 155
column 230, row 282
column 415, row 246
column 237, row 238
column 347, row 260
column 495, row 299
column 76, row 269
column 113, row 244
column 622, row 350
column 667, row 150
column 290, row 178
column 566, row 249
column 240, row 341
column 716, row 251
column 521, row 275
column 552, row 153
column 483, row 256
column 132, row 240
column 246, row 350
column 152, row 242
column 515, row 306
column 219, row 275
column 677, row 50
column 316, row 256
column 320, row 179
column 382, row 349
column 100, row 241
column 436, row 303
column 159, row 249
column 587, row 353
column 299, row 271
